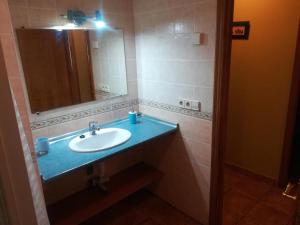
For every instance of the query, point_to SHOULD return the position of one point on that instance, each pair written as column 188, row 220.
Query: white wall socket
column 189, row 104
column 181, row 103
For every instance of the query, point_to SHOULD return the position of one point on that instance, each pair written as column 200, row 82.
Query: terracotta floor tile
column 268, row 207
column 160, row 211
column 275, row 199
column 253, row 187
column 247, row 223
column 232, row 177
column 149, row 222
column 263, row 214
column 236, row 204
column 229, row 219
column 142, row 208
column 120, row 214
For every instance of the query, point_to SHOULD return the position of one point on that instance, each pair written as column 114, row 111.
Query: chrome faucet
column 93, row 127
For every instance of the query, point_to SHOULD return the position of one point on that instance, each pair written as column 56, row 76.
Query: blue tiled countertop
column 62, row 160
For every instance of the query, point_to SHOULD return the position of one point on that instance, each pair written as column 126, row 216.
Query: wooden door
column 46, row 68
column 81, row 62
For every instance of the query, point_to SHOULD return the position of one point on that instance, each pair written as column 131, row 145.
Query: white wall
column 169, row 67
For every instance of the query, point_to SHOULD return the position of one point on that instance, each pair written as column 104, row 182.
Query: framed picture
column 240, row 30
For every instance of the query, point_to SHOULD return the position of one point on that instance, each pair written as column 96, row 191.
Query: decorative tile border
column 116, row 106
column 82, row 114
column 176, row 109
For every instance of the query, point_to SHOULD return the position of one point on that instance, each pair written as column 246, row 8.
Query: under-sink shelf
column 83, row 205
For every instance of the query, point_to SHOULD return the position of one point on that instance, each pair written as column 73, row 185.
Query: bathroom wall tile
column 41, row 18
column 74, row 182
column 13, row 71
column 190, row 127
column 42, row 3
column 118, row 6
column 166, row 54
column 71, row 126
column 5, row 23
column 185, row 184
column 19, row 16
column 23, row 3
column 89, row 6
column 183, row 20
column 120, row 162
column 63, row 187
column 132, row 89
column 205, row 96
column 165, row 92
column 205, row 16
column 131, row 69
column 198, row 152
column 129, row 47
column 68, row 4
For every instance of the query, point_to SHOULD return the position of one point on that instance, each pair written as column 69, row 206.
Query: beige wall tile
column 169, row 65
column 19, row 16
column 90, row 5
column 186, row 182
column 5, row 23
column 42, row 3
column 190, row 127
column 68, row 4
column 23, row 3
column 13, row 71
column 42, row 18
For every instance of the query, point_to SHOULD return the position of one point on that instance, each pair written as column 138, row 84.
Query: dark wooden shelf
column 81, row 206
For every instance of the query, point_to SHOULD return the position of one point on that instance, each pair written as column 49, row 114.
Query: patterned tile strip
column 117, row 106
column 176, row 109
column 82, row 114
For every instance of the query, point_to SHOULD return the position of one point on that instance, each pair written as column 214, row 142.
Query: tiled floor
column 249, row 200
column 142, row 208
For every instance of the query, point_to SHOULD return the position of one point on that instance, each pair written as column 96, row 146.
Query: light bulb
column 100, row 24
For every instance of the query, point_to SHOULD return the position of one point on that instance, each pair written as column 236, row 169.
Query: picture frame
column 240, row 30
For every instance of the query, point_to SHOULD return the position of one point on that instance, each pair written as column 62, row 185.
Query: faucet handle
column 93, row 125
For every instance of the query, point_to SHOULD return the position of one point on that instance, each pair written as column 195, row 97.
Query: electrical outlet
column 181, row 103
column 187, row 104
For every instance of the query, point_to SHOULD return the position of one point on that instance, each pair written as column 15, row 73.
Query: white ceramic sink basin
column 104, row 139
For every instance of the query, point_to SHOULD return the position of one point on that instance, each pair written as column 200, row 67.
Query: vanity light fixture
column 100, row 23
column 78, row 18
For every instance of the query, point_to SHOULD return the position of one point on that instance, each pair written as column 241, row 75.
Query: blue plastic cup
column 42, row 145
column 132, row 116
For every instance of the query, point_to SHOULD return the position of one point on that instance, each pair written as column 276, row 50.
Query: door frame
column 291, row 118
column 221, row 90
column 18, row 201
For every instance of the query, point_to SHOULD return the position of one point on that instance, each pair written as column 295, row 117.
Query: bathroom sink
column 102, row 140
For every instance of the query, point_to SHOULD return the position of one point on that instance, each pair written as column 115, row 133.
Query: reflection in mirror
column 68, row 67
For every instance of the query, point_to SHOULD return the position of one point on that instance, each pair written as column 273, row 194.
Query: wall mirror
column 73, row 66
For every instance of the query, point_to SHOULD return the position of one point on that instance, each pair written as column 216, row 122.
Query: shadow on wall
column 183, row 182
